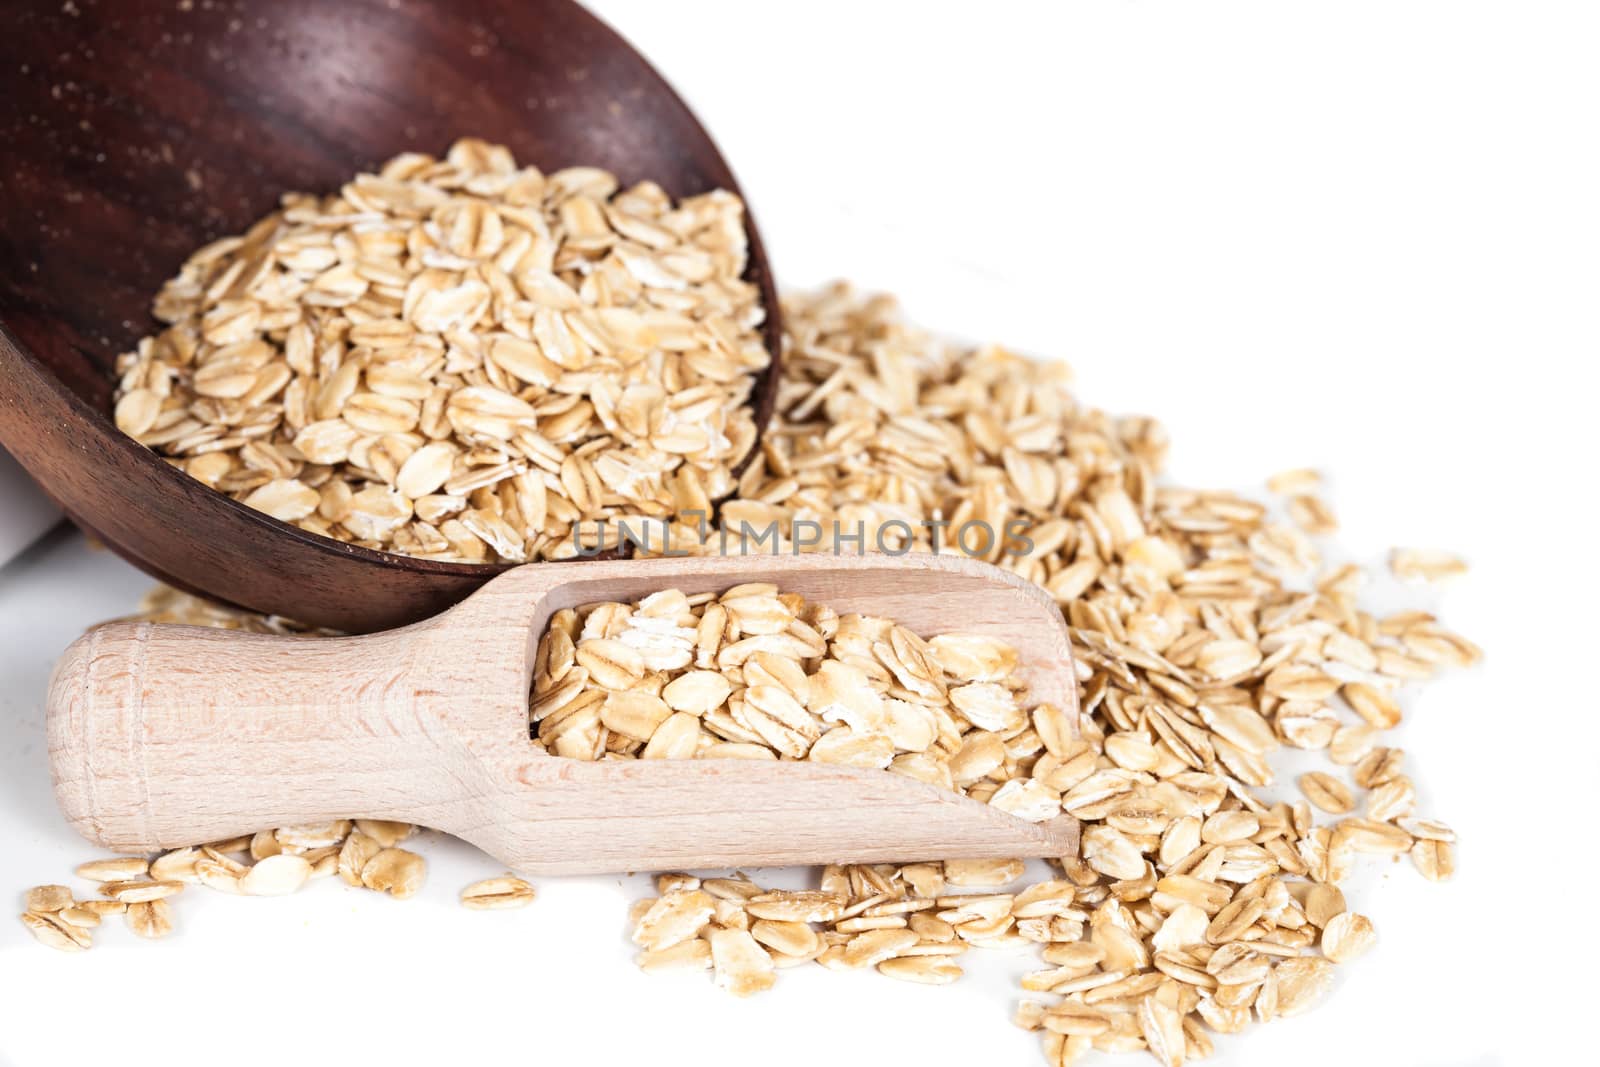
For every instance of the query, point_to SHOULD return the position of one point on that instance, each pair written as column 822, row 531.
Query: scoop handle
column 161, row 736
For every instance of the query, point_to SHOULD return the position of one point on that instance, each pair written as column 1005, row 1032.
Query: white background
column 24, row 512
column 1361, row 236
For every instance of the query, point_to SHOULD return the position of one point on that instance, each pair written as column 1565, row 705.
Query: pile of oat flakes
column 1209, row 636
column 460, row 358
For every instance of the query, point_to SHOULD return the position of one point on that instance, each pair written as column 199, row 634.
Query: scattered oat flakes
column 276, row 876
column 386, row 832
column 1425, row 564
column 1435, row 859
column 927, row 970
column 1296, row 482
column 123, row 868
column 742, row 966
column 676, row 917
column 396, row 872
column 692, row 955
column 44, row 898
column 1219, row 895
column 1327, row 792
column 496, row 894
column 140, row 891
column 150, row 918
column 50, row 930
column 1312, row 514
column 1346, row 936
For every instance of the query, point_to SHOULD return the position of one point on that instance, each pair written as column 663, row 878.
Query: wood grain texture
column 161, row 736
column 135, row 132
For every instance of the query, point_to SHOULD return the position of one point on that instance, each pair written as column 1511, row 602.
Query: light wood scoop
column 161, row 736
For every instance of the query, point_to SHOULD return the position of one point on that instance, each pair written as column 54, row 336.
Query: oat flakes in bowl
column 461, row 359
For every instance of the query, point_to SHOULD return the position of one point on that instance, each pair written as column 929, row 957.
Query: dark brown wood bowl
column 134, row 131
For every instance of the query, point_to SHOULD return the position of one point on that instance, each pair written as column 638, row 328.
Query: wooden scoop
column 161, row 736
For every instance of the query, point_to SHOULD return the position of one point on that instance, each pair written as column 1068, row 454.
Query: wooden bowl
column 135, row 131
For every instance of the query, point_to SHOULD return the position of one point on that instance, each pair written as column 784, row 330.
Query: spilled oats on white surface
column 1212, row 638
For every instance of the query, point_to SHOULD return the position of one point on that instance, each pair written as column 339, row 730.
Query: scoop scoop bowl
column 164, row 736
